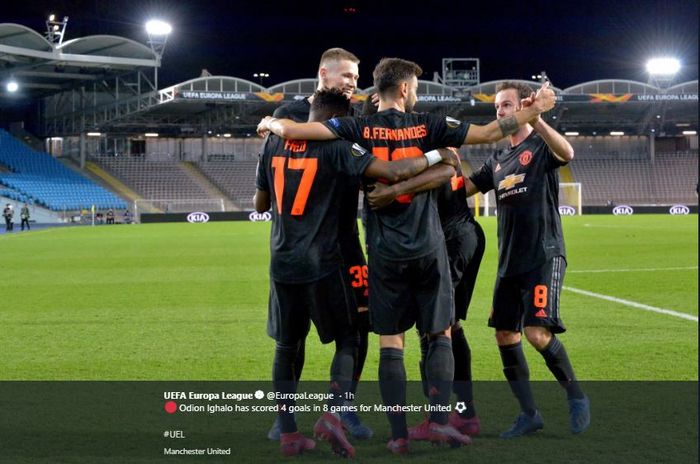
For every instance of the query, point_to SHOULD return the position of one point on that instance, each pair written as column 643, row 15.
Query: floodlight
column 689, row 132
column 158, row 27
column 571, row 134
column 617, row 133
column 12, row 86
column 261, row 76
column 151, row 134
column 663, row 66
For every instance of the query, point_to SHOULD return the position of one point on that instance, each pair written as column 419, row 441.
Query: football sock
column 392, row 384
column 299, row 360
column 342, row 367
column 440, row 370
column 463, row 371
column 518, row 374
column 421, row 363
column 361, row 357
column 283, row 381
column 558, row 362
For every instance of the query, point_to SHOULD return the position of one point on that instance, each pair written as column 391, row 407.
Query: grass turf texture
column 189, row 302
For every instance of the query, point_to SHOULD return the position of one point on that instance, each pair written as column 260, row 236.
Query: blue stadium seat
column 37, row 177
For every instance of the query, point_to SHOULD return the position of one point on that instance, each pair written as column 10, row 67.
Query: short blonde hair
column 337, row 54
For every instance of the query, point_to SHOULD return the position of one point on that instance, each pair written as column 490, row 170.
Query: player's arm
column 261, row 200
column 395, row 171
column 382, row 195
column 494, row 131
column 288, row 129
column 470, row 187
column 558, row 145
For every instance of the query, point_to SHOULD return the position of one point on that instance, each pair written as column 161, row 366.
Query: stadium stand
column 620, row 170
column 153, row 179
column 150, row 137
column 669, row 179
column 235, row 178
column 616, row 181
column 675, row 177
column 38, row 178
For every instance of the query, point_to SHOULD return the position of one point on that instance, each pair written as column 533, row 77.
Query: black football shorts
column 416, row 291
column 327, row 302
column 465, row 250
column 530, row 299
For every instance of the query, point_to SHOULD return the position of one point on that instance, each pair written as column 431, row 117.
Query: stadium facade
column 103, row 118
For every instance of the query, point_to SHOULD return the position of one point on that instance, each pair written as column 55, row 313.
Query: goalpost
column 570, row 201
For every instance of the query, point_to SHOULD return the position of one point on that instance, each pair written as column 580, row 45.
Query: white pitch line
column 634, row 304
column 650, row 269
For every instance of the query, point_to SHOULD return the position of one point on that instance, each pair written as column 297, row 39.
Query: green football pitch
column 189, row 302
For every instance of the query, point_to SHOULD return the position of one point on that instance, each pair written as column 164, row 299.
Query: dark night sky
column 573, row 41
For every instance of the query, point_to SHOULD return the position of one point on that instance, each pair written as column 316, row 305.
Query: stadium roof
column 230, row 104
column 42, row 67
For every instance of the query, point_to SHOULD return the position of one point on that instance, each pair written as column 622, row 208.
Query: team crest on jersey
column 525, row 157
column 452, row 123
column 357, row 151
column 511, row 181
column 498, row 167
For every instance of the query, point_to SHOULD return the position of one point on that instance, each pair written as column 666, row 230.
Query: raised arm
column 382, row 195
column 288, row 129
column 558, row 145
column 494, row 131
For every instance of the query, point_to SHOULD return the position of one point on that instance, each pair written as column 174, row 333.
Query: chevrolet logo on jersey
column 511, row 181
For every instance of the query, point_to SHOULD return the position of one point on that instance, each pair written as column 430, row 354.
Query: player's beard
column 409, row 106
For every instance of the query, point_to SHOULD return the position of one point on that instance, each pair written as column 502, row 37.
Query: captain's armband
column 508, row 125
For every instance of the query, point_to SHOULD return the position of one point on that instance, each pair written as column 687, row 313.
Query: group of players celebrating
column 423, row 245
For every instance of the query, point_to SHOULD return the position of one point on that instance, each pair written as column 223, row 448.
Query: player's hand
column 544, row 99
column 526, row 102
column 380, row 196
column 263, row 126
column 375, row 99
column 449, row 156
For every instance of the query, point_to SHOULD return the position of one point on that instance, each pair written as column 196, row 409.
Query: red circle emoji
column 170, row 407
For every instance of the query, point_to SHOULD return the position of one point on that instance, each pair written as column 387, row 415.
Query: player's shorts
column 327, row 302
column 530, row 299
column 416, row 291
column 465, row 250
column 356, row 268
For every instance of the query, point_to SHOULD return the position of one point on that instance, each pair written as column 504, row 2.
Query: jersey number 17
column 308, row 166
